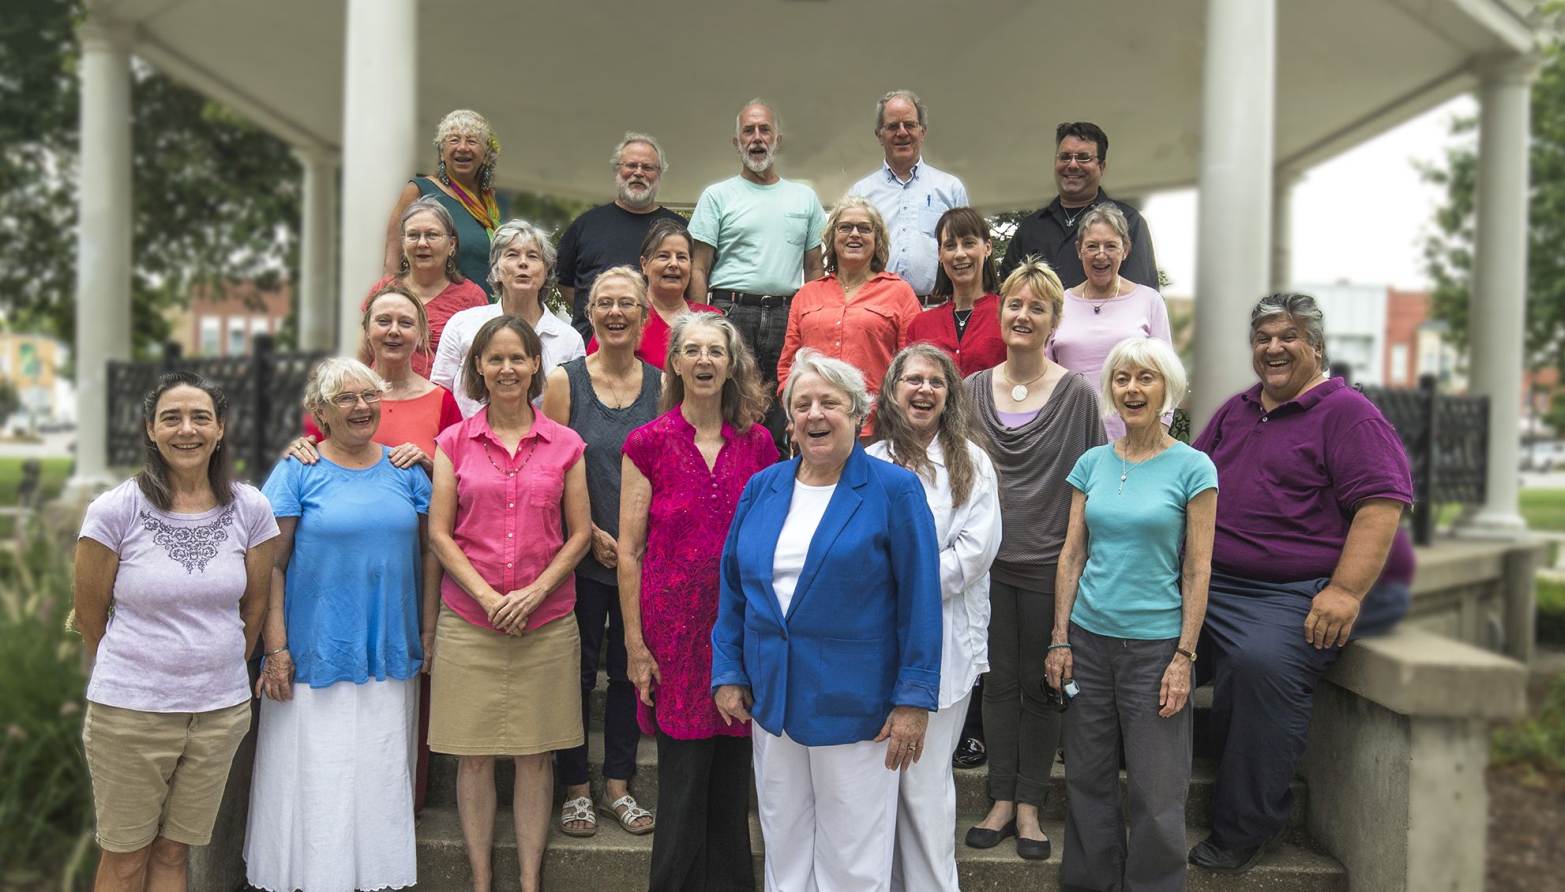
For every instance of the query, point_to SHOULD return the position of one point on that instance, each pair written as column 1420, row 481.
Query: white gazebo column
column 317, row 249
column 1498, row 299
column 379, row 114
column 1233, row 243
column 1283, row 181
column 103, row 248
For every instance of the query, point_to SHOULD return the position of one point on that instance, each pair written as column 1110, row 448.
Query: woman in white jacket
column 923, row 424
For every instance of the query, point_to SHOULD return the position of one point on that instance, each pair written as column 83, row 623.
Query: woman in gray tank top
column 603, row 397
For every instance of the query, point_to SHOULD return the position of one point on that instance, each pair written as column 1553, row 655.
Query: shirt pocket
column 798, row 233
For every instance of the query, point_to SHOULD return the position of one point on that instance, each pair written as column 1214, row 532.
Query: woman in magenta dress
column 682, row 476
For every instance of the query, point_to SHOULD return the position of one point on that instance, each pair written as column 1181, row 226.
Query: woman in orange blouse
column 858, row 312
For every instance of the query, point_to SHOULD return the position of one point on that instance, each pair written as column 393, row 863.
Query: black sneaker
column 1206, row 854
column 969, row 753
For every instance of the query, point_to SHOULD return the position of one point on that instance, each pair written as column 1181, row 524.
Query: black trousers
column 597, row 606
column 702, row 843
column 764, row 330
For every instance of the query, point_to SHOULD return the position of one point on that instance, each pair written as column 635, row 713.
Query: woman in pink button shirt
column 507, row 651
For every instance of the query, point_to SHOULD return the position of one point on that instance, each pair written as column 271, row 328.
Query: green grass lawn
column 1544, row 509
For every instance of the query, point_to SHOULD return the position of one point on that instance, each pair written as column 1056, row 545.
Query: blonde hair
column 877, row 263
column 1144, row 353
column 1037, row 276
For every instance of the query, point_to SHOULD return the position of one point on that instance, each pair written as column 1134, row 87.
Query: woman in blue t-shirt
column 332, row 800
column 1130, row 597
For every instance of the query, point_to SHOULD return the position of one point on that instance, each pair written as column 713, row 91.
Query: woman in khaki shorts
column 506, row 670
column 183, row 554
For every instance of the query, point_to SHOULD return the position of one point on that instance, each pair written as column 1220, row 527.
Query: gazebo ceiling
column 562, row 81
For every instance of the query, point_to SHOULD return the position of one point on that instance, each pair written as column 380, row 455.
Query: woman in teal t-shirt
column 1130, row 597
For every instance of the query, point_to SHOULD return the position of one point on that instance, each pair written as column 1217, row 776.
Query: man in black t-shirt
column 611, row 234
column 1081, row 158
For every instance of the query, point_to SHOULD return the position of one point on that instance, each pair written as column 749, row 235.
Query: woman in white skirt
column 331, row 805
column 924, row 423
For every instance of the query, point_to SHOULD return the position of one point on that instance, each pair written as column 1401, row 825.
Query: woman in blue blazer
column 828, row 636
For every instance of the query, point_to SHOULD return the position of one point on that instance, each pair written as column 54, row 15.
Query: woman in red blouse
column 665, row 263
column 967, row 325
column 858, row 312
column 429, row 273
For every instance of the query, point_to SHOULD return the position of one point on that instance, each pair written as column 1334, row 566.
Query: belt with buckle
column 751, row 300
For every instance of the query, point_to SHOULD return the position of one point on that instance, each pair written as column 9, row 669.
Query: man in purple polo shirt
column 1314, row 482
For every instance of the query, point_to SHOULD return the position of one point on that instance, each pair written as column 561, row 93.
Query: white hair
column 1145, row 353
column 330, row 379
column 835, row 372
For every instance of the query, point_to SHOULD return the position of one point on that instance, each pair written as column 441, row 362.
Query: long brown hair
column 153, row 477
column 956, row 427
column 744, row 398
column 960, row 223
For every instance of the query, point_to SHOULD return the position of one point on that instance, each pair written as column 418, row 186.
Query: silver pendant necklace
column 1019, row 391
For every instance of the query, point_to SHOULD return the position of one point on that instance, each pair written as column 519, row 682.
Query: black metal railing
column 264, row 389
column 1447, row 443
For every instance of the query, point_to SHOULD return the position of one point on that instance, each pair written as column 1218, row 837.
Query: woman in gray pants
column 1129, row 600
column 1039, row 417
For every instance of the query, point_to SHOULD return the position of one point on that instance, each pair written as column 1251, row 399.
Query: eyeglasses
column 1078, row 157
column 629, row 305
column 637, row 167
column 851, row 228
column 894, row 126
column 696, row 351
column 917, row 381
column 434, row 238
column 349, row 400
column 1112, row 249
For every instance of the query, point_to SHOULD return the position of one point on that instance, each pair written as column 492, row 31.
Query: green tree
column 214, row 197
column 1448, row 248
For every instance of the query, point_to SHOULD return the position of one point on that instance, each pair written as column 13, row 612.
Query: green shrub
column 1538, row 742
column 45, row 792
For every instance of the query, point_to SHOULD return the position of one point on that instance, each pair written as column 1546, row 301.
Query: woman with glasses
column 332, row 801
column 665, row 264
column 1106, row 308
column 858, row 313
column 428, row 273
column 466, row 151
column 925, row 424
column 603, row 397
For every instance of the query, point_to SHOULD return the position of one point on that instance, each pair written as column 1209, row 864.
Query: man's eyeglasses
column 637, row 167
column 1078, row 157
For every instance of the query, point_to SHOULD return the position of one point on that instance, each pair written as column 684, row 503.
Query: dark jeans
column 763, row 330
column 1120, row 680
column 1264, row 675
column 703, row 836
column 1022, row 729
column 596, row 604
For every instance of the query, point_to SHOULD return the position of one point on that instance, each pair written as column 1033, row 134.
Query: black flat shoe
column 1033, row 849
column 969, row 754
column 984, row 838
column 1209, row 856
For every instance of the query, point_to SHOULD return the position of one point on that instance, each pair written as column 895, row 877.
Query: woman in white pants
column 828, row 632
column 923, row 424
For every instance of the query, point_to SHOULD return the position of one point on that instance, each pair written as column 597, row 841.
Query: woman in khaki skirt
column 507, row 655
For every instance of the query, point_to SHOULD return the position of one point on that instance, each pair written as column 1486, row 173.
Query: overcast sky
column 1359, row 216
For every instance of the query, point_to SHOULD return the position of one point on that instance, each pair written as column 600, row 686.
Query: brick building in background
column 225, row 323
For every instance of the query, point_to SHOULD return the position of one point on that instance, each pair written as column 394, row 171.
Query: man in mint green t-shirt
column 757, row 239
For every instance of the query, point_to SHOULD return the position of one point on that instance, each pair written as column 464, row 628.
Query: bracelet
column 1058, row 646
column 272, row 653
column 1188, row 654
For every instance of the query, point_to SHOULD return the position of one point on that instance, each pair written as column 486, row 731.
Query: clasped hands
column 509, row 612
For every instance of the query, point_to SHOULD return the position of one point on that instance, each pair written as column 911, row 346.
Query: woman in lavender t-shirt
column 171, row 579
column 1106, row 308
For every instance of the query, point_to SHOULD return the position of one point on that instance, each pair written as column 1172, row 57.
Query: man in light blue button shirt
column 909, row 193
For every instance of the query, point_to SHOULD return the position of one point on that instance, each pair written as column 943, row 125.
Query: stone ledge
column 1420, row 674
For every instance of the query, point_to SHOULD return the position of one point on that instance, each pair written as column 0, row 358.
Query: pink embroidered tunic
column 510, row 525
column 687, row 523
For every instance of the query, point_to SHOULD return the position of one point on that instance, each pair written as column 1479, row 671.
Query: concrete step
column 971, row 795
column 616, row 860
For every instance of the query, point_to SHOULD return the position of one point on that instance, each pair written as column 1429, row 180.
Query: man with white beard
column 611, row 234
column 757, row 240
